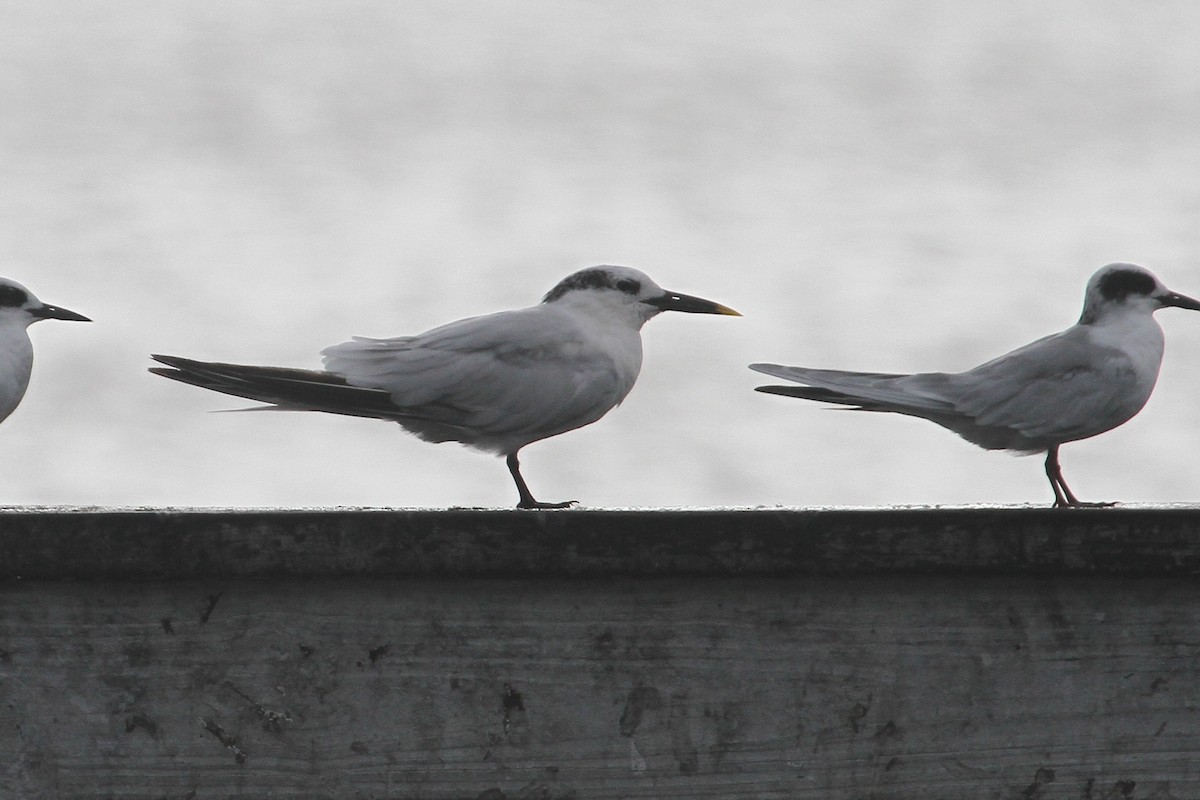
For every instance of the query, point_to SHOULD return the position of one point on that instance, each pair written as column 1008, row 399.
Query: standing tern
column 495, row 383
column 18, row 310
column 1069, row 386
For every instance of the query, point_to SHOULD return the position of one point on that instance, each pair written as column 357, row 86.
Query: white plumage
column 18, row 310
column 499, row 382
column 1071, row 385
column 496, row 382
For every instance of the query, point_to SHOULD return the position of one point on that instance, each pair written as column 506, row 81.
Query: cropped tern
column 1069, row 386
column 18, row 310
column 495, row 383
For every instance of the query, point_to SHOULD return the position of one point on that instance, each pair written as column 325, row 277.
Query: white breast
column 16, row 362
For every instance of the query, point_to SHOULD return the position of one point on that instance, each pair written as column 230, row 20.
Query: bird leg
column 1063, row 496
column 527, row 499
column 1054, row 473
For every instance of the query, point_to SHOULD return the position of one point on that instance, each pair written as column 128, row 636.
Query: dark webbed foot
column 527, row 500
column 1075, row 502
column 535, row 505
column 1063, row 496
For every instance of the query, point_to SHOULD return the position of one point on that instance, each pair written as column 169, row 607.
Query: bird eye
column 629, row 286
column 1121, row 283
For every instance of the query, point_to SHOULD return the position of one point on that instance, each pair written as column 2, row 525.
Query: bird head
column 1125, row 288
column 627, row 293
column 19, row 306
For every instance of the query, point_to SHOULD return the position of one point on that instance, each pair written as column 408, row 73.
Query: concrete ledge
column 904, row 654
column 178, row 544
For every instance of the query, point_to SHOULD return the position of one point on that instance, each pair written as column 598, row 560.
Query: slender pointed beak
column 673, row 301
column 54, row 312
column 1179, row 301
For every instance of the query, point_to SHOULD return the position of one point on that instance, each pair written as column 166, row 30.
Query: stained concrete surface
column 274, row 656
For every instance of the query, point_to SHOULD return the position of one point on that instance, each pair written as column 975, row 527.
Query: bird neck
column 1132, row 332
column 608, row 309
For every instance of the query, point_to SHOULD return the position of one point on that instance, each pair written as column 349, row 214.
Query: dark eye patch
column 584, row 279
column 592, row 278
column 12, row 297
column 1121, row 283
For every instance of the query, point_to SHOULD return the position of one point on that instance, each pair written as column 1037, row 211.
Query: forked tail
column 294, row 389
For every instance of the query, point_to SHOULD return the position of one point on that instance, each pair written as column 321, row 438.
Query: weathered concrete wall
column 753, row 654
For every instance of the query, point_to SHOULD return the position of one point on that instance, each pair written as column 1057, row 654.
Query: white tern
column 495, row 383
column 1071, row 385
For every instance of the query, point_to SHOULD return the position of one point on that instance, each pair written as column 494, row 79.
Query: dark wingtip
column 178, row 362
column 812, row 393
column 170, row 361
column 787, row 390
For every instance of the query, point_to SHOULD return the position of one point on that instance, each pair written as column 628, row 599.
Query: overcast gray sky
column 883, row 185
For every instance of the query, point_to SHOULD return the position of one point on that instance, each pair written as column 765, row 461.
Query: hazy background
column 878, row 185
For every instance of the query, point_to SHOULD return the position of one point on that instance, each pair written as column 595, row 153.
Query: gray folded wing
column 495, row 382
column 1057, row 389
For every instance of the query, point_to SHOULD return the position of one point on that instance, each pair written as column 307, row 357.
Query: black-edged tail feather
column 295, row 389
column 823, row 395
